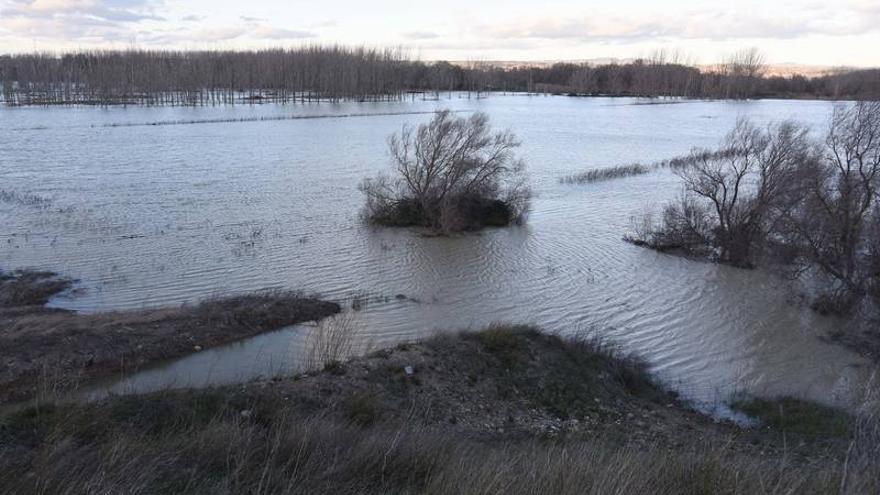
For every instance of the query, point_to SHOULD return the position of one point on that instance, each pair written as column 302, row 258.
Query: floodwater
column 232, row 199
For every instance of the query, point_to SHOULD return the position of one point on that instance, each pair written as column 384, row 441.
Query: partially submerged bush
column 683, row 227
column 451, row 174
column 735, row 196
column 30, row 287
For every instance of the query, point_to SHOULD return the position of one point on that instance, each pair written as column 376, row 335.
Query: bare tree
column 743, row 70
column 747, row 187
column 685, row 225
column 449, row 173
column 834, row 226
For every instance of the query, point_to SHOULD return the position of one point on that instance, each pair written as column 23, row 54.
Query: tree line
column 335, row 73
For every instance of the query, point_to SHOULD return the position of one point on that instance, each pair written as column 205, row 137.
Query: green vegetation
column 567, row 386
column 361, row 409
column 790, row 415
column 603, row 174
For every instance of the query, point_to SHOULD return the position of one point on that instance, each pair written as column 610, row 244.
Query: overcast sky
column 841, row 32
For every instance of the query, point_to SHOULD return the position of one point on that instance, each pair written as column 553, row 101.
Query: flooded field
column 162, row 206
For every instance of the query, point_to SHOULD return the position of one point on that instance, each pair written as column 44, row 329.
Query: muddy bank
column 509, row 410
column 30, row 287
column 863, row 337
column 50, row 351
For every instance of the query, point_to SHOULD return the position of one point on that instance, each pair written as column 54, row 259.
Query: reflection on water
column 157, row 215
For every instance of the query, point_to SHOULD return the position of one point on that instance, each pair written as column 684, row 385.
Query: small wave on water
column 235, row 208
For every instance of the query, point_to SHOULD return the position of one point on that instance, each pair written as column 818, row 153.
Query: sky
column 827, row 33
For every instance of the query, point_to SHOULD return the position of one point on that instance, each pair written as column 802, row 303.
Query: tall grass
column 282, row 452
column 861, row 469
column 331, row 341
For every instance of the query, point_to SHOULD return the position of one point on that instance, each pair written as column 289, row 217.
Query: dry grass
column 201, row 443
column 861, row 468
column 275, row 440
column 331, row 341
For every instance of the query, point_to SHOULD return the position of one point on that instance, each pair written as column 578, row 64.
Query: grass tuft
column 361, row 409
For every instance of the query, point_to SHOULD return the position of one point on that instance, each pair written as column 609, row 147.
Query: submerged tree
column 814, row 205
column 451, row 174
column 733, row 198
column 835, row 227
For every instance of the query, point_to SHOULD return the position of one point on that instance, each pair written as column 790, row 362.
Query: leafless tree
column 743, row 71
column 816, row 205
column 836, row 224
column 447, row 172
column 747, row 187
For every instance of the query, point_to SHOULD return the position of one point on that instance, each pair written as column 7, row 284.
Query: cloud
column 220, row 34
column 420, row 35
column 98, row 22
column 74, row 10
column 260, row 28
column 269, row 32
column 716, row 24
column 76, row 20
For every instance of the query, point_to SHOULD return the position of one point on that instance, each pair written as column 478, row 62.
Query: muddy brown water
column 149, row 215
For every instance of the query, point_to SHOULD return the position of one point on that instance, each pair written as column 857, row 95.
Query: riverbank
column 506, row 410
column 49, row 351
column 864, row 337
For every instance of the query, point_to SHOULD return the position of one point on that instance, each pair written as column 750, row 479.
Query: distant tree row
column 337, row 73
column 206, row 78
